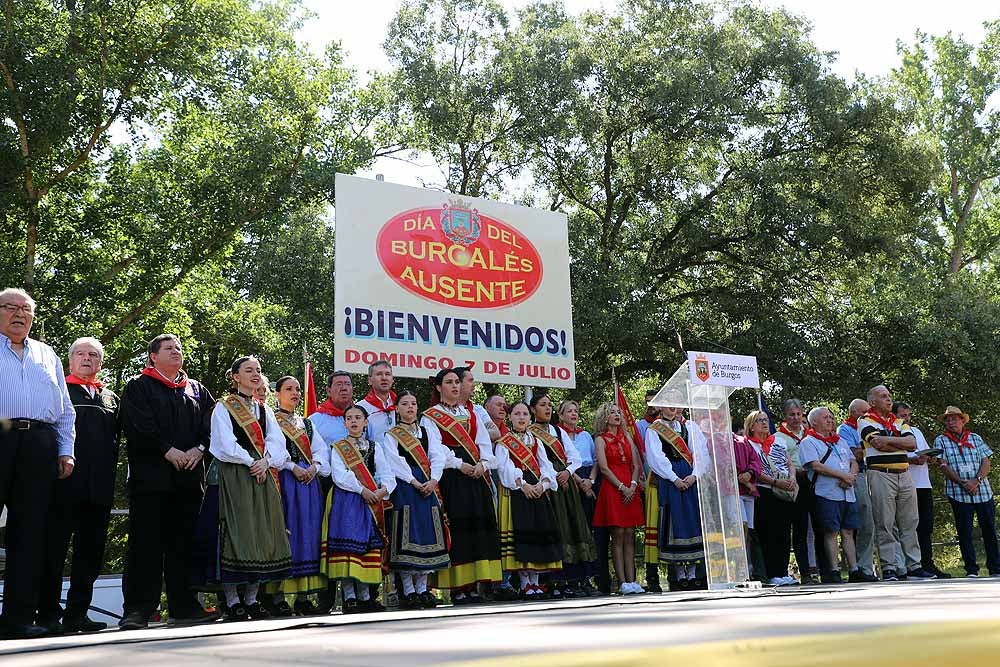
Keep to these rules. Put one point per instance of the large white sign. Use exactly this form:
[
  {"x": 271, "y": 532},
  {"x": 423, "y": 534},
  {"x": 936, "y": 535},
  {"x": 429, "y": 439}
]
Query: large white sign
[
  {"x": 428, "y": 280},
  {"x": 728, "y": 370}
]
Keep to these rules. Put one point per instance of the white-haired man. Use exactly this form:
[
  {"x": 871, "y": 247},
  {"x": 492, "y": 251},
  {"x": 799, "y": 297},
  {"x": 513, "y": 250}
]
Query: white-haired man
[
  {"x": 864, "y": 538},
  {"x": 833, "y": 472},
  {"x": 37, "y": 450},
  {"x": 81, "y": 503}
]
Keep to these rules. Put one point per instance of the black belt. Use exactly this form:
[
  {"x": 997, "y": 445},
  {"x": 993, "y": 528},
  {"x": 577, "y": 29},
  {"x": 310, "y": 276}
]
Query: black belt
[
  {"x": 28, "y": 424},
  {"x": 890, "y": 472}
]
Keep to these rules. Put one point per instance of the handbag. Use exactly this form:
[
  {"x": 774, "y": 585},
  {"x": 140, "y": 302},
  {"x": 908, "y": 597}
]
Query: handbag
[{"x": 783, "y": 494}]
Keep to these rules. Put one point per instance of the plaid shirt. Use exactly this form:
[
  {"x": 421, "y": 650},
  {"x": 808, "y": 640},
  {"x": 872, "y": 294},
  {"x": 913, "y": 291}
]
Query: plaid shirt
[{"x": 966, "y": 463}]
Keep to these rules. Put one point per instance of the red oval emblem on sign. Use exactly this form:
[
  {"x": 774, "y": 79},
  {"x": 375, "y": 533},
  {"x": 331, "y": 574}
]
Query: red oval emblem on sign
[{"x": 459, "y": 257}]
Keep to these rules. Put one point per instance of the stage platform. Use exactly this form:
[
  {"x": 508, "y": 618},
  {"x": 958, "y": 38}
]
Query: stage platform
[{"x": 935, "y": 623}]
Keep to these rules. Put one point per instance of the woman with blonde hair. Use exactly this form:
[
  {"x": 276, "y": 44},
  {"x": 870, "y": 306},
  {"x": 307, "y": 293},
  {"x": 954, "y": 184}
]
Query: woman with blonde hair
[
  {"x": 772, "y": 515},
  {"x": 618, "y": 505}
]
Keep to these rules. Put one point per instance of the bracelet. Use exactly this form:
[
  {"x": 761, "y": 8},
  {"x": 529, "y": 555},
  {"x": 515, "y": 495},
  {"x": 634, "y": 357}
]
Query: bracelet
[
  {"x": 621, "y": 487},
  {"x": 633, "y": 483}
]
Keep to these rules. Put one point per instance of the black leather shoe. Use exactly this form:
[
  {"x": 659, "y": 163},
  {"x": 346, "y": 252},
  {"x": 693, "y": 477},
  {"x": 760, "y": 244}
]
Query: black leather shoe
[
  {"x": 410, "y": 602},
  {"x": 237, "y": 613},
  {"x": 428, "y": 600},
  {"x": 256, "y": 611},
  {"x": 24, "y": 631},
  {"x": 831, "y": 577},
  {"x": 352, "y": 606},
  {"x": 372, "y": 604},
  {"x": 82, "y": 624},
  {"x": 54, "y": 627},
  {"x": 134, "y": 620},
  {"x": 200, "y": 617},
  {"x": 307, "y": 608},
  {"x": 281, "y": 610}
]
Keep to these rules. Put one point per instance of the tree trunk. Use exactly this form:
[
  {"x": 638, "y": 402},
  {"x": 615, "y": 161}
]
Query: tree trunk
[{"x": 30, "y": 245}]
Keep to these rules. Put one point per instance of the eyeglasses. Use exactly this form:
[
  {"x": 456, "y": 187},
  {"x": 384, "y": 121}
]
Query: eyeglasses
[{"x": 13, "y": 308}]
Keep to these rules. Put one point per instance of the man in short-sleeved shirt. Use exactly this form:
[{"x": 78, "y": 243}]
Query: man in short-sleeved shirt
[
  {"x": 966, "y": 464},
  {"x": 833, "y": 471}
]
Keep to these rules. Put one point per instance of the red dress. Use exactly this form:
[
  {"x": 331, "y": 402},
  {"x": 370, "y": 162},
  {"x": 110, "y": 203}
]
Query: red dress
[{"x": 611, "y": 510}]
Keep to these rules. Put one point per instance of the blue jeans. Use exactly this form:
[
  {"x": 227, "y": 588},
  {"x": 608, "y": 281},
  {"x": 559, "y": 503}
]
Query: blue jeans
[{"x": 985, "y": 513}]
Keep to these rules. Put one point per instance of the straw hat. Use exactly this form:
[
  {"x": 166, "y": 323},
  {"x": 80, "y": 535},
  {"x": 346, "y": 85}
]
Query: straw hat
[{"x": 952, "y": 410}]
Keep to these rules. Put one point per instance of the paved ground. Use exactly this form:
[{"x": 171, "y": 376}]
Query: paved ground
[{"x": 467, "y": 634}]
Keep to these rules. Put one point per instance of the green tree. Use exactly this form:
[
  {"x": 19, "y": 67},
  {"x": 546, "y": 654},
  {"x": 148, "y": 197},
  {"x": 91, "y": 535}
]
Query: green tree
[{"x": 950, "y": 86}]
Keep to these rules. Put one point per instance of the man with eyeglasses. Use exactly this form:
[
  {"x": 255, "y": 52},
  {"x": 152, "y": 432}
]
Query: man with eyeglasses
[{"x": 37, "y": 450}]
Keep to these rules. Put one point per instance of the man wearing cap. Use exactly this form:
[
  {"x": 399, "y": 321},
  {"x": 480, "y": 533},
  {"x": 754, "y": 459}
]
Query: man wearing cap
[{"x": 965, "y": 461}]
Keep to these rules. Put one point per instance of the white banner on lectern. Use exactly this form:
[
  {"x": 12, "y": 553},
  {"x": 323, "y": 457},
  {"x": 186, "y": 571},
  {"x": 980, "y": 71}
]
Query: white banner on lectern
[{"x": 727, "y": 370}]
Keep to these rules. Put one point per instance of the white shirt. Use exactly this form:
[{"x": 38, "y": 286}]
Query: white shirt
[
  {"x": 510, "y": 473},
  {"x": 320, "y": 450},
  {"x": 379, "y": 421},
  {"x": 658, "y": 461},
  {"x": 482, "y": 439},
  {"x": 919, "y": 473},
  {"x": 573, "y": 458},
  {"x": 224, "y": 446},
  {"x": 437, "y": 455},
  {"x": 345, "y": 478}
]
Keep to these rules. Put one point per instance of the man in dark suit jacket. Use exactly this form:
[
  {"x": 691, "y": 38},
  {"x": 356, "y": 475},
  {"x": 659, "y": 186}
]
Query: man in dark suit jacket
[{"x": 166, "y": 418}]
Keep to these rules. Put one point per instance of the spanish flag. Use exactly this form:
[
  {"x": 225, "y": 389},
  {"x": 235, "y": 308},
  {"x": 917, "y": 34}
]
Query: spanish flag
[
  {"x": 627, "y": 414},
  {"x": 309, "y": 400}
]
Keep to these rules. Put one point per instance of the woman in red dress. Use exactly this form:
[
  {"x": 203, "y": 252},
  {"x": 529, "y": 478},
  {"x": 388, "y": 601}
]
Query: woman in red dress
[{"x": 618, "y": 505}]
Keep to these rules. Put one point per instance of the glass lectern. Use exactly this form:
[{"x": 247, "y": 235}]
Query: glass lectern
[{"x": 718, "y": 491}]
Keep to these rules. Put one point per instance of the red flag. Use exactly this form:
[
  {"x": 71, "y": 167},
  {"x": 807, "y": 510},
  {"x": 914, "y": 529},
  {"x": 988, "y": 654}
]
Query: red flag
[
  {"x": 309, "y": 403},
  {"x": 627, "y": 413}
]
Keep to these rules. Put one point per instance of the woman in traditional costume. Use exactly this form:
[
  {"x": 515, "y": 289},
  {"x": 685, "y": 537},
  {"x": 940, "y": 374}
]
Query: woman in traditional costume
[
  {"x": 530, "y": 542},
  {"x": 467, "y": 490},
  {"x": 301, "y": 500},
  {"x": 579, "y": 550},
  {"x": 417, "y": 527},
  {"x": 353, "y": 538},
  {"x": 618, "y": 504},
  {"x": 588, "y": 475},
  {"x": 240, "y": 538}
]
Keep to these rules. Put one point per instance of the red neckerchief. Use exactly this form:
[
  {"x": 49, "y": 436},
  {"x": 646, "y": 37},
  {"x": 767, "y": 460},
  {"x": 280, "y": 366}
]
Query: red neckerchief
[
  {"x": 650, "y": 420},
  {"x": 328, "y": 408},
  {"x": 828, "y": 439},
  {"x": 765, "y": 445},
  {"x": 852, "y": 422},
  {"x": 160, "y": 377},
  {"x": 502, "y": 427},
  {"x": 572, "y": 430},
  {"x": 616, "y": 439},
  {"x": 784, "y": 429},
  {"x": 374, "y": 400},
  {"x": 95, "y": 383},
  {"x": 961, "y": 442},
  {"x": 888, "y": 424}
]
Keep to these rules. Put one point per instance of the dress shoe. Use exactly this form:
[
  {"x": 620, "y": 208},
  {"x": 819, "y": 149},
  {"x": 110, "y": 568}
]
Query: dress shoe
[
  {"x": 53, "y": 627},
  {"x": 199, "y": 617},
  {"x": 257, "y": 612},
  {"x": 305, "y": 607},
  {"x": 653, "y": 586},
  {"x": 73, "y": 623},
  {"x": 281, "y": 610},
  {"x": 24, "y": 631},
  {"x": 428, "y": 600},
  {"x": 237, "y": 613},
  {"x": 352, "y": 606},
  {"x": 134, "y": 620},
  {"x": 831, "y": 577},
  {"x": 372, "y": 604},
  {"x": 861, "y": 577}
]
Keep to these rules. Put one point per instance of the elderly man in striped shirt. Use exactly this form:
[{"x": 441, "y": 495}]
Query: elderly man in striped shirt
[
  {"x": 37, "y": 450},
  {"x": 894, "y": 498}
]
